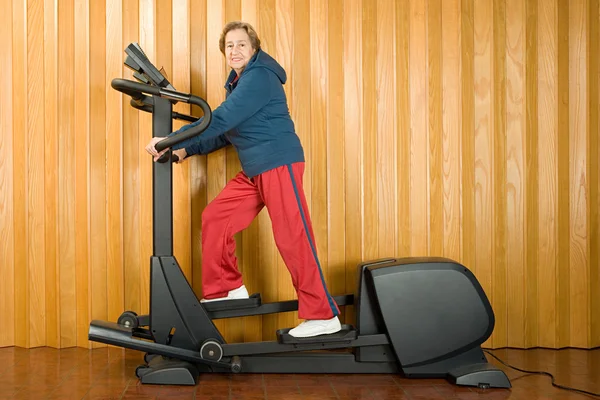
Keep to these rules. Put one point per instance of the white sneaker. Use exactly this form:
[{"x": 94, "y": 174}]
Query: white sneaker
[
  {"x": 235, "y": 294},
  {"x": 317, "y": 327}
]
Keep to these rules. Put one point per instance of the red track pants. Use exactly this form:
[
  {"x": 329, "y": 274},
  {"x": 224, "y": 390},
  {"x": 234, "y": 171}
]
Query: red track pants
[{"x": 232, "y": 211}]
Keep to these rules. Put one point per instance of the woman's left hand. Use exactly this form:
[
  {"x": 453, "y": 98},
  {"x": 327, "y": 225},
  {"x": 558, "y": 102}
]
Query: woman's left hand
[{"x": 181, "y": 154}]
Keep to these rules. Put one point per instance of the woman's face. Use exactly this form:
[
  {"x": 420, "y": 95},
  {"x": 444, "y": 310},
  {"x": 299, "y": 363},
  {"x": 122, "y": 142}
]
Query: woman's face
[{"x": 238, "y": 49}]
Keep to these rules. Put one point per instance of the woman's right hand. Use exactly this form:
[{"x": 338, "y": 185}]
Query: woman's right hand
[{"x": 150, "y": 148}]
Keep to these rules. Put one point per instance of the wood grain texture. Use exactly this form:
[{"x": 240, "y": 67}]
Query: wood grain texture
[
  {"x": 419, "y": 134},
  {"x": 367, "y": 138},
  {"x": 579, "y": 175},
  {"x": 593, "y": 50},
  {"x": 547, "y": 117},
  {"x": 386, "y": 218},
  {"x": 7, "y": 250},
  {"x": 458, "y": 128},
  {"x": 20, "y": 164},
  {"x": 514, "y": 235},
  {"x": 434, "y": 126},
  {"x": 451, "y": 128},
  {"x": 499, "y": 179},
  {"x": 35, "y": 145},
  {"x": 531, "y": 176},
  {"x": 52, "y": 288},
  {"x": 97, "y": 159},
  {"x": 562, "y": 251},
  {"x": 483, "y": 162},
  {"x": 82, "y": 170}
]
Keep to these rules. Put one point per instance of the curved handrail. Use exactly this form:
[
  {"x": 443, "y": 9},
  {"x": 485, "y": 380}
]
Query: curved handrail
[{"x": 137, "y": 90}]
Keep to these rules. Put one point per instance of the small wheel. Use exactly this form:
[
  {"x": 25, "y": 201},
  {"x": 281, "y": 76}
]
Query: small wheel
[
  {"x": 128, "y": 319},
  {"x": 211, "y": 350},
  {"x": 141, "y": 370}
]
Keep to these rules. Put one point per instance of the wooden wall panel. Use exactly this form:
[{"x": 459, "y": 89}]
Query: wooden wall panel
[
  {"x": 82, "y": 175},
  {"x": 35, "y": 173},
  {"x": 52, "y": 291},
  {"x": 7, "y": 250},
  {"x": 460, "y": 128},
  {"x": 593, "y": 43},
  {"x": 20, "y": 164}
]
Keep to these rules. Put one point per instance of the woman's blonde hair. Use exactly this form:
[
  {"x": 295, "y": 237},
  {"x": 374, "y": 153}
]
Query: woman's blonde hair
[{"x": 254, "y": 40}]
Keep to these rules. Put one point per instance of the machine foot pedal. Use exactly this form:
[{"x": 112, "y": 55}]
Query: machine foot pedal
[
  {"x": 227, "y": 305},
  {"x": 347, "y": 334}
]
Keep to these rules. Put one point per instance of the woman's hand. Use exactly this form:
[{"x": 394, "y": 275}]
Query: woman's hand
[
  {"x": 152, "y": 150},
  {"x": 181, "y": 153}
]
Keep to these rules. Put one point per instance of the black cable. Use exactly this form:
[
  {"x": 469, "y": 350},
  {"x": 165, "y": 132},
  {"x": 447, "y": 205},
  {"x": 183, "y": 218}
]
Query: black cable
[{"x": 547, "y": 374}]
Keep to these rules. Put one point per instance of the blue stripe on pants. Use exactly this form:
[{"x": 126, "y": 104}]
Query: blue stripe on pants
[{"x": 312, "y": 246}]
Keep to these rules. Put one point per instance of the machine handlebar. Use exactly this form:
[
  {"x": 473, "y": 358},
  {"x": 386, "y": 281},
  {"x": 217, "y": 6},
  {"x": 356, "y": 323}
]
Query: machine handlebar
[{"x": 137, "y": 92}]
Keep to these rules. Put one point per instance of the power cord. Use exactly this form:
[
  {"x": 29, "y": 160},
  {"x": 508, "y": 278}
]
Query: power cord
[{"x": 547, "y": 374}]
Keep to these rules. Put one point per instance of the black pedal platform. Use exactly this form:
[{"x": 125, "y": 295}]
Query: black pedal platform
[
  {"x": 347, "y": 334},
  {"x": 226, "y": 305}
]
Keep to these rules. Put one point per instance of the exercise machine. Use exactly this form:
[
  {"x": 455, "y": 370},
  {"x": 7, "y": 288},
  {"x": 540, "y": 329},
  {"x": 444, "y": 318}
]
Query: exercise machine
[{"x": 420, "y": 317}]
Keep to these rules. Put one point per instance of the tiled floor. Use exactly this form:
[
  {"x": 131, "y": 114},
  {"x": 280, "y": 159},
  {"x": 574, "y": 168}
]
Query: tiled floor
[{"x": 109, "y": 374}]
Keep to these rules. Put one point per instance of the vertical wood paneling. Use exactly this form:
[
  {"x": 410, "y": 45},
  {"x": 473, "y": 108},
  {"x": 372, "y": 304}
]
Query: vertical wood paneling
[
  {"x": 593, "y": 50},
  {"x": 531, "y": 175},
  {"x": 467, "y": 61},
  {"x": 460, "y": 128},
  {"x": 434, "y": 126},
  {"x": 498, "y": 175},
  {"x": 7, "y": 267},
  {"x": 451, "y": 125},
  {"x": 562, "y": 250},
  {"x": 419, "y": 134},
  {"x": 51, "y": 168},
  {"x": 578, "y": 178},
  {"x": 386, "y": 123},
  {"x": 20, "y": 195},
  {"x": 546, "y": 161},
  {"x": 403, "y": 128},
  {"x": 35, "y": 173},
  {"x": 369, "y": 216},
  {"x": 515, "y": 172},
  {"x": 98, "y": 149},
  {"x": 66, "y": 172},
  {"x": 82, "y": 174},
  {"x": 484, "y": 143}
]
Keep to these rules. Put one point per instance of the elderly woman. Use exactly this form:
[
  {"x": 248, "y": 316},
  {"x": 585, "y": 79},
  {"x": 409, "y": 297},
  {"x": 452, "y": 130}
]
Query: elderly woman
[{"x": 255, "y": 119}]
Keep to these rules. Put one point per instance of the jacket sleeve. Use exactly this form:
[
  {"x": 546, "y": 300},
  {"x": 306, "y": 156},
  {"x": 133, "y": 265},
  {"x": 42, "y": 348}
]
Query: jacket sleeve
[
  {"x": 251, "y": 94},
  {"x": 205, "y": 146}
]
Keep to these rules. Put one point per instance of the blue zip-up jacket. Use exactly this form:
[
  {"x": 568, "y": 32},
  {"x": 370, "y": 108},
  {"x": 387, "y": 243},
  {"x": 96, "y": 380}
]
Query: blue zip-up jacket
[{"x": 254, "y": 118}]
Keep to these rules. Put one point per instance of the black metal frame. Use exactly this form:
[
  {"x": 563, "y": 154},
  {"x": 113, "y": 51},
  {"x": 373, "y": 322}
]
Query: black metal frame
[{"x": 180, "y": 328}]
